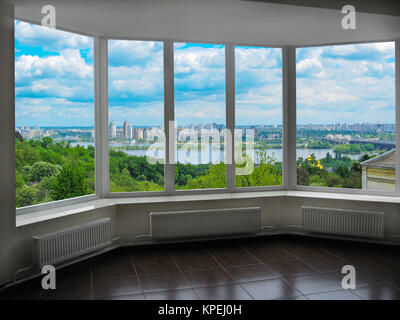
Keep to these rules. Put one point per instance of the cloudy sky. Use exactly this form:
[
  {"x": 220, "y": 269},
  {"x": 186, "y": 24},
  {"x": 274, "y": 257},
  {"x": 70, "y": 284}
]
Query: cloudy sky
[
  {"x": 54, "y": 82},
  {"x": 53, "y": 77},
  {"x": 347, "y": 83}
]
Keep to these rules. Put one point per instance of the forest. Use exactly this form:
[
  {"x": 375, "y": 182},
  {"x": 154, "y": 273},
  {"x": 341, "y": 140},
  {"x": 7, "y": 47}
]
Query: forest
[{"x": 47, "y": 171}]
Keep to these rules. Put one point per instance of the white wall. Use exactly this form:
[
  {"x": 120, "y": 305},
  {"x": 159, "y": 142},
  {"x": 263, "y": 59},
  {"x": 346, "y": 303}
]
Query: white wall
[{"x": 130, "y": 220}]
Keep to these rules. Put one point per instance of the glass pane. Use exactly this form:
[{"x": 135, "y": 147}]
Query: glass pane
[
  {"x": 346, "y": 116},
  {"x": 54, "y": 115},
  {"x": 136, "y": 114},
  {"x": 258, "y": 133},
  {"x": 200, "y": 116}
]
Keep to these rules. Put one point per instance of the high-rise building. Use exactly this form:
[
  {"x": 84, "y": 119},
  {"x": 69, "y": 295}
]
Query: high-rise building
[
  {"x": 139, "y": 134},
  {"x": 127, "y": 131},
  {"x": 113, "y": 130}
]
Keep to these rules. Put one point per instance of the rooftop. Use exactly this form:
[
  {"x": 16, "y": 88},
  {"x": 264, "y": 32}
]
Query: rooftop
[{"x": 385, "y": 160}]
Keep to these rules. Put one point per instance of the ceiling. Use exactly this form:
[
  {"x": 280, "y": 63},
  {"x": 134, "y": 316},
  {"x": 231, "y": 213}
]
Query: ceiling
[
  {"x": 388, "y": 7},
  {"x": 239, "y": 21}
]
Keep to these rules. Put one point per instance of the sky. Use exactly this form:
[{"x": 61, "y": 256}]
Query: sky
[
  {"x": 336, "y": 84},
  {"x": 53, "y": 77},
  {"x": 346, "y": 83}
]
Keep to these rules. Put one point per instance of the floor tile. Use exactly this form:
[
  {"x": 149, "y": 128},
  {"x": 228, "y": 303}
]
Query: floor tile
[
  {"x": 270, "y": 289},
  {"x": 362, "y": 278},
  {"x": 270, "y": 267},
  {"x": 290, "y": 268},
  {"x": 232, "y": 256},
  {"x": 324, "y": 263},
  {"x": 378, "y": 292},
  {"x": 73, "y": 282},
  {"x": 295, "y": 298},
  {"x": 114, "y": 286},
  {"x": 313, "y": 284},
  {"x": 154, "y": 262},
  {"x": 210, "y": 277},
  {"x": 185, "y": 294},
  {"x": 269, "y": 252},
  {"x": 137, "y": 296},
  {"x": 163, "y": 282},
  {"x": 334, "y": 295},
  {"x": 223, "y": 292},
  {"x": 114, "y": 263},
  {"x": 251, "y": 273},
  {"x": 194, "y": 259}
]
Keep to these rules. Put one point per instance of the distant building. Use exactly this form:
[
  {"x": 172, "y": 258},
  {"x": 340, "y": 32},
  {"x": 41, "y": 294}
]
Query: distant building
[
  {"x": 379, "y": 173},
  {"x": 127, "y": 131},
  {"x": 139, "y": 134},
  {"x": 113, "y": 130}
]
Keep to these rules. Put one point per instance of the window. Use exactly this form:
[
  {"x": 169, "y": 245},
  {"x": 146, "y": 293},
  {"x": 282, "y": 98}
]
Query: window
[
  {"x": 345, "y": 130},
  {"x": 54, "y": 115},
  {"x": 199, "y": 83},
  {"x": 346, "y": 125},
  {"x": 258, "y": 116},
  {"x": 136, "y": 115}
]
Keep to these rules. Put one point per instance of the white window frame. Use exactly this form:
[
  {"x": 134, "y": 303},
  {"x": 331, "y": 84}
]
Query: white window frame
[
  {"x": 396, "y": 193},
  {"x": 289, "y": 168}
]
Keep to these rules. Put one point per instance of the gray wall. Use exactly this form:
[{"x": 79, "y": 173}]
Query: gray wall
[{"x": 7, "y": 176}]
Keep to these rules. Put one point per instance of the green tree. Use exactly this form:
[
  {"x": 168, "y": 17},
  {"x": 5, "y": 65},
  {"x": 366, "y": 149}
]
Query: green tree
[
  {"x": 25, "y": 196},
  {"x": 40, "y": 170},
  {"x": 334, "y": 180},
  {"x": 70, "y": 182}
]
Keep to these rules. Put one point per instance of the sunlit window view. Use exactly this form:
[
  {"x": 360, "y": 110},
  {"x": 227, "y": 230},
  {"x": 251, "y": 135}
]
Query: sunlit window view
[
  {"x": 346, "y": 116},
  {"x": 136, "y": 115},
  {"x": 54, "y": 115},
  {"x": 200, "y": 116},
  {"x": 258, "y": 133}
]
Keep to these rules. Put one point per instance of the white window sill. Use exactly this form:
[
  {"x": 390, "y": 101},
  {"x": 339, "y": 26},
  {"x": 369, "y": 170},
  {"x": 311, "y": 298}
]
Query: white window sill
[{"x": 54, "y": 213}]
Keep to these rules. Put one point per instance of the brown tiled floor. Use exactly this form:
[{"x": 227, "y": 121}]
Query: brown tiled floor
[{"x": 275, "y": 267}]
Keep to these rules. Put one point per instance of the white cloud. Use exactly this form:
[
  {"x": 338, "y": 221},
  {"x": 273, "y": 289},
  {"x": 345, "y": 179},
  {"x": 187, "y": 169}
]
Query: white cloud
[{"x": 35, "y": 35}]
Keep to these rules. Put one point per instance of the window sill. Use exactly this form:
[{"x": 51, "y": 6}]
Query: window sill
[{"x": 54, "y": 213}]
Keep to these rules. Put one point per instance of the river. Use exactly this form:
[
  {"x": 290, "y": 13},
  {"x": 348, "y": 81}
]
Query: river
[{"x": 205, "y": 155}]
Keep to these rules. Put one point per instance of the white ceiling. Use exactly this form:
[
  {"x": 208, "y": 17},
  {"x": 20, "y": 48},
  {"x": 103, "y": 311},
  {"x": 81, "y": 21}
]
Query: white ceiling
[{"x": 210, "y": 20}]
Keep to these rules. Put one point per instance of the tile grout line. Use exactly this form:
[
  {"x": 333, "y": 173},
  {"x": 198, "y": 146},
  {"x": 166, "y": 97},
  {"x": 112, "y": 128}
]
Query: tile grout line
[
  {"x": 279, "y": 276},
  {"x": 229, "y": 274},
  {"x": 132, "y": 261},
  {"x": 183, "y": 274}
]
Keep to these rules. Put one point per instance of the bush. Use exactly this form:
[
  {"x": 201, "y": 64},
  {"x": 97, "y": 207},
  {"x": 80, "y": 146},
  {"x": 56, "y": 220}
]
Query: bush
[
  {"x": 25, "y": 196},
  {"x": 40, "y": 170},
  {"x": 317, "y": 181},
  {"x": 334, "y": 180},
  {"x": 303, "y": 176},
  {"x": 71, "y": 182}
]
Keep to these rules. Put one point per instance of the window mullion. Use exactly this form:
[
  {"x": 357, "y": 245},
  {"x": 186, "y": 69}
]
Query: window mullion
[
  {"x": 169, "y": 168},
  {"x": 230, "y": 115},
  {"x": 101, "y": 116},
  {"x": 289, "y": 117}
]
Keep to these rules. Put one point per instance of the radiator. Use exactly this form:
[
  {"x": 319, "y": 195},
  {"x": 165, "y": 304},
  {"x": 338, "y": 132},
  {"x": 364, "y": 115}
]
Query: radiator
[
  {"x": 340, "y": 221},
  {"x": 73, "y": 242},
  {"x": 202, "y": 223}
]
